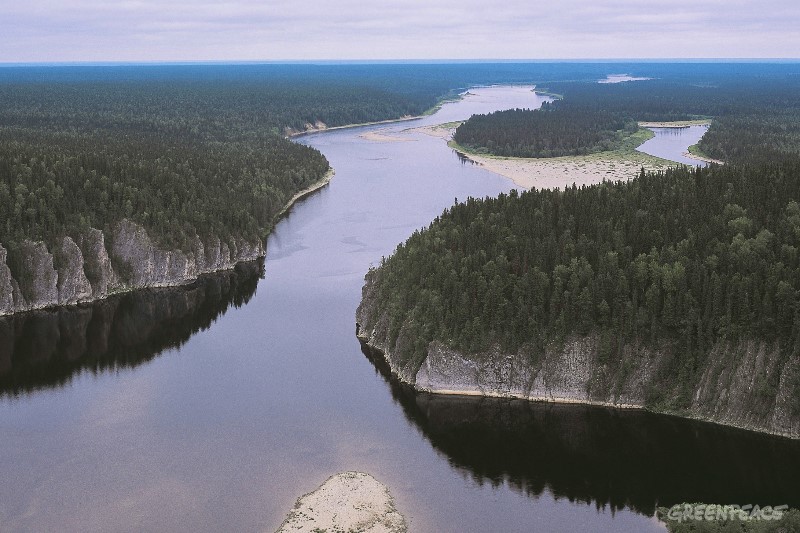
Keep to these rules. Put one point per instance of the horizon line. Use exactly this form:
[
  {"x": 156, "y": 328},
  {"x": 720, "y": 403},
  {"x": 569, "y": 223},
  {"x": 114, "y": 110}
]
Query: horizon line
[{"x": 408, "y": 61}]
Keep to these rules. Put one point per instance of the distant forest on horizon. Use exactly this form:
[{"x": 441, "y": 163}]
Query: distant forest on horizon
[{"x": 200, "y": 149}]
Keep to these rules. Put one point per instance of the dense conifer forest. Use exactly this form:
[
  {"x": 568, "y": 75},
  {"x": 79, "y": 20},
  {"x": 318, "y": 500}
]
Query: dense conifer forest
[
  {"x": 190, "y": 149},
  {"x": 753, "y": 116},
  {"x": 178, "y": 154},
  {"x": 546, "y": 132},
  {"x": 201, "y": 149},
  {"x": 182, "y": 149},
  {"x": 693, "y": 255}
]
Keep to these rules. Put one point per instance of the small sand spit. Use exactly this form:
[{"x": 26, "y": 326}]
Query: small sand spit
[
  {"x": 678, "y": 124},
  {"x": 350, "y": 501},
  {"x": 560, "y": 172},
  {"x": 384, "y": 137}
]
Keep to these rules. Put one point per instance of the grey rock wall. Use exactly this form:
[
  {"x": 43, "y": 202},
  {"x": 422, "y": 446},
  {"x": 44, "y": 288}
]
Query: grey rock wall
[
  {"x": 750, "y": 384},
  {"x": 72, "y": 284},
  {"x": 92, "y": 266},
  {"x": 6, "y": 287}
]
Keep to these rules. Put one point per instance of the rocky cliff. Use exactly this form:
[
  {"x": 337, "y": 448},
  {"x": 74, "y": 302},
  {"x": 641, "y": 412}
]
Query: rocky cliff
[
  {"x": 95, "y": 265},
  {"x": 749, "y": 383}
]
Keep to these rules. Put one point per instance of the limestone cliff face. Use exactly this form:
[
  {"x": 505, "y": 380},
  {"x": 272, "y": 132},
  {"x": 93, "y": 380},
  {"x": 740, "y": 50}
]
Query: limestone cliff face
[
  {"x": 92, "y": 266},
  {"x": 750, "y": 384},
  {"x": 97, "y": 263},
  {"x": 6, "y": 287},
  {"x": 373, "y": 328},
  {"x": 37, "y": 283},
  {"x": 73, "y": 285}
]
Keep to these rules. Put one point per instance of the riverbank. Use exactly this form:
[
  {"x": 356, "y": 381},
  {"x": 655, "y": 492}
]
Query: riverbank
[
  {"x": 576, "y": 368},
  {"x": 320, "y": 127},
  {"x": 694, "y": 152},
  {"x": 325, "y": 180},
  {"x": 677, "y": 124},
  {"x": 349, "y": 501},
  {"x": 565, "y": 375},
  {"x": 95, "y": 266}
]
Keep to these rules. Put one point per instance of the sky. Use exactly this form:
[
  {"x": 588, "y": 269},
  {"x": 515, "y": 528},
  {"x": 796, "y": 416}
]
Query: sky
[{"x": 251, "y": 30}]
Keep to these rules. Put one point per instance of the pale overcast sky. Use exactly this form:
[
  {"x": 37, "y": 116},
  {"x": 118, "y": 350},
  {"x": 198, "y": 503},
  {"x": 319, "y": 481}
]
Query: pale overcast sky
[{"x": 150, "y": 30}]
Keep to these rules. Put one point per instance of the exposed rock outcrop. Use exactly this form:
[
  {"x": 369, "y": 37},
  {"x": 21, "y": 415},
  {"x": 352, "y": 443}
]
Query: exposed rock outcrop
[
  {"x": 751, "y": 383},
  {"x": 6, "y": 287},
  {"x": 97, "y": 263},
  {"x": 37, "y": 282},
  {"x": 73, "y": 286},
  {"x": 95, "y": 266}
]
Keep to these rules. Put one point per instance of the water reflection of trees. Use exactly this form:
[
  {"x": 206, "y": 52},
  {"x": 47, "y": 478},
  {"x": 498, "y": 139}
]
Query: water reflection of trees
[
  {"x": 605, "y": 457},
  {"x": 46, "y": 348}
]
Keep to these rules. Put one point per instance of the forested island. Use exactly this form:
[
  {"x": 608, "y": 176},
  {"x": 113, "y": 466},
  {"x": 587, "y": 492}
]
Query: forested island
[
  {"x": 677, "y": 291},
  {"x": 753, "y": 116}
]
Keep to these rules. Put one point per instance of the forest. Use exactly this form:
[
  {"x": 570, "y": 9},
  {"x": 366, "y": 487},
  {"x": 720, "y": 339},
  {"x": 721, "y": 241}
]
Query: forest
[
  {"x": 753, "y": 116},
  {"x": 692, "y": 255},
  {"x": 200, "y": 148},
  {"x": 193, "y": 148},
  {"x": 546, "y": 132}
]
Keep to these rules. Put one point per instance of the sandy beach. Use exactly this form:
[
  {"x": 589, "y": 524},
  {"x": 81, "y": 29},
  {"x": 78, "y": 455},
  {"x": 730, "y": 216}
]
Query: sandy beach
[
  {"x": 676, "y": 124},
  {"x": 350, "y": 501},
  {"x": 320, "y": 126},
  {"x": 326, "y": 179},
  {"x": 383, "y": 137},
  {"x": 702, "y": 158},
  {"x": 557, "y": 172}
]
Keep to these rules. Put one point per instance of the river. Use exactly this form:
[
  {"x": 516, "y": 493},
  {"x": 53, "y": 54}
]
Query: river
[
  {"x": 213, "y": 407},
  {"x": 673, "y": 143}
]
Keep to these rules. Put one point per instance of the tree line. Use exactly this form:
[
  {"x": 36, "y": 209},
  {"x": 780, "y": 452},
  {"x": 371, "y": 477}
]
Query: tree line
[
  {"x": 693, "y": 255},
  {"x": 755, "y": 115},
  {"x": 547, "y": 132}
]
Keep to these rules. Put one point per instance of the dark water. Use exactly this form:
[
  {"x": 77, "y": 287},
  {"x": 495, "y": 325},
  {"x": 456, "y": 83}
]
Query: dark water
[
  {"x": 44, "y": 349},
  {"x": 622, "y": 459},
  {"x": 188, "y": 411}
]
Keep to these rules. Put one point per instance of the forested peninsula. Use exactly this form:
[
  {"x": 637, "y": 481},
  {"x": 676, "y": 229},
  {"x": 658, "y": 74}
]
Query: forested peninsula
[
  {"x": 753, "y": 117},
  {"x": 677, "y": 291}
]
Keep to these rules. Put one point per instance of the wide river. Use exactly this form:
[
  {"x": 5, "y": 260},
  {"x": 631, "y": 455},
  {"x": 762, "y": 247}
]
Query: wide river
[{"x": 213, "y": 407}]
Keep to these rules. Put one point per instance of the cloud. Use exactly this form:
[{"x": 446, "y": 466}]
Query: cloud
[{"x": 149, "y": 30}]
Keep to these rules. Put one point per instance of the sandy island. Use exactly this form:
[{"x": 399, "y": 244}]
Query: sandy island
[
  {"x": 319, "y": 126},
  {"x": 557, "y": 172},
  {"x": 543, "y": 173},
  {"x": 383, "y": 137},
  {"x": 350, "y": 501}
]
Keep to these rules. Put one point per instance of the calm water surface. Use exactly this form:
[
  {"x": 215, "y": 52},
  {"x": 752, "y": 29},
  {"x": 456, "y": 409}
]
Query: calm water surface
[
  {"x": 672, "y": 143},
  {"x": 211, "y": 408}
]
